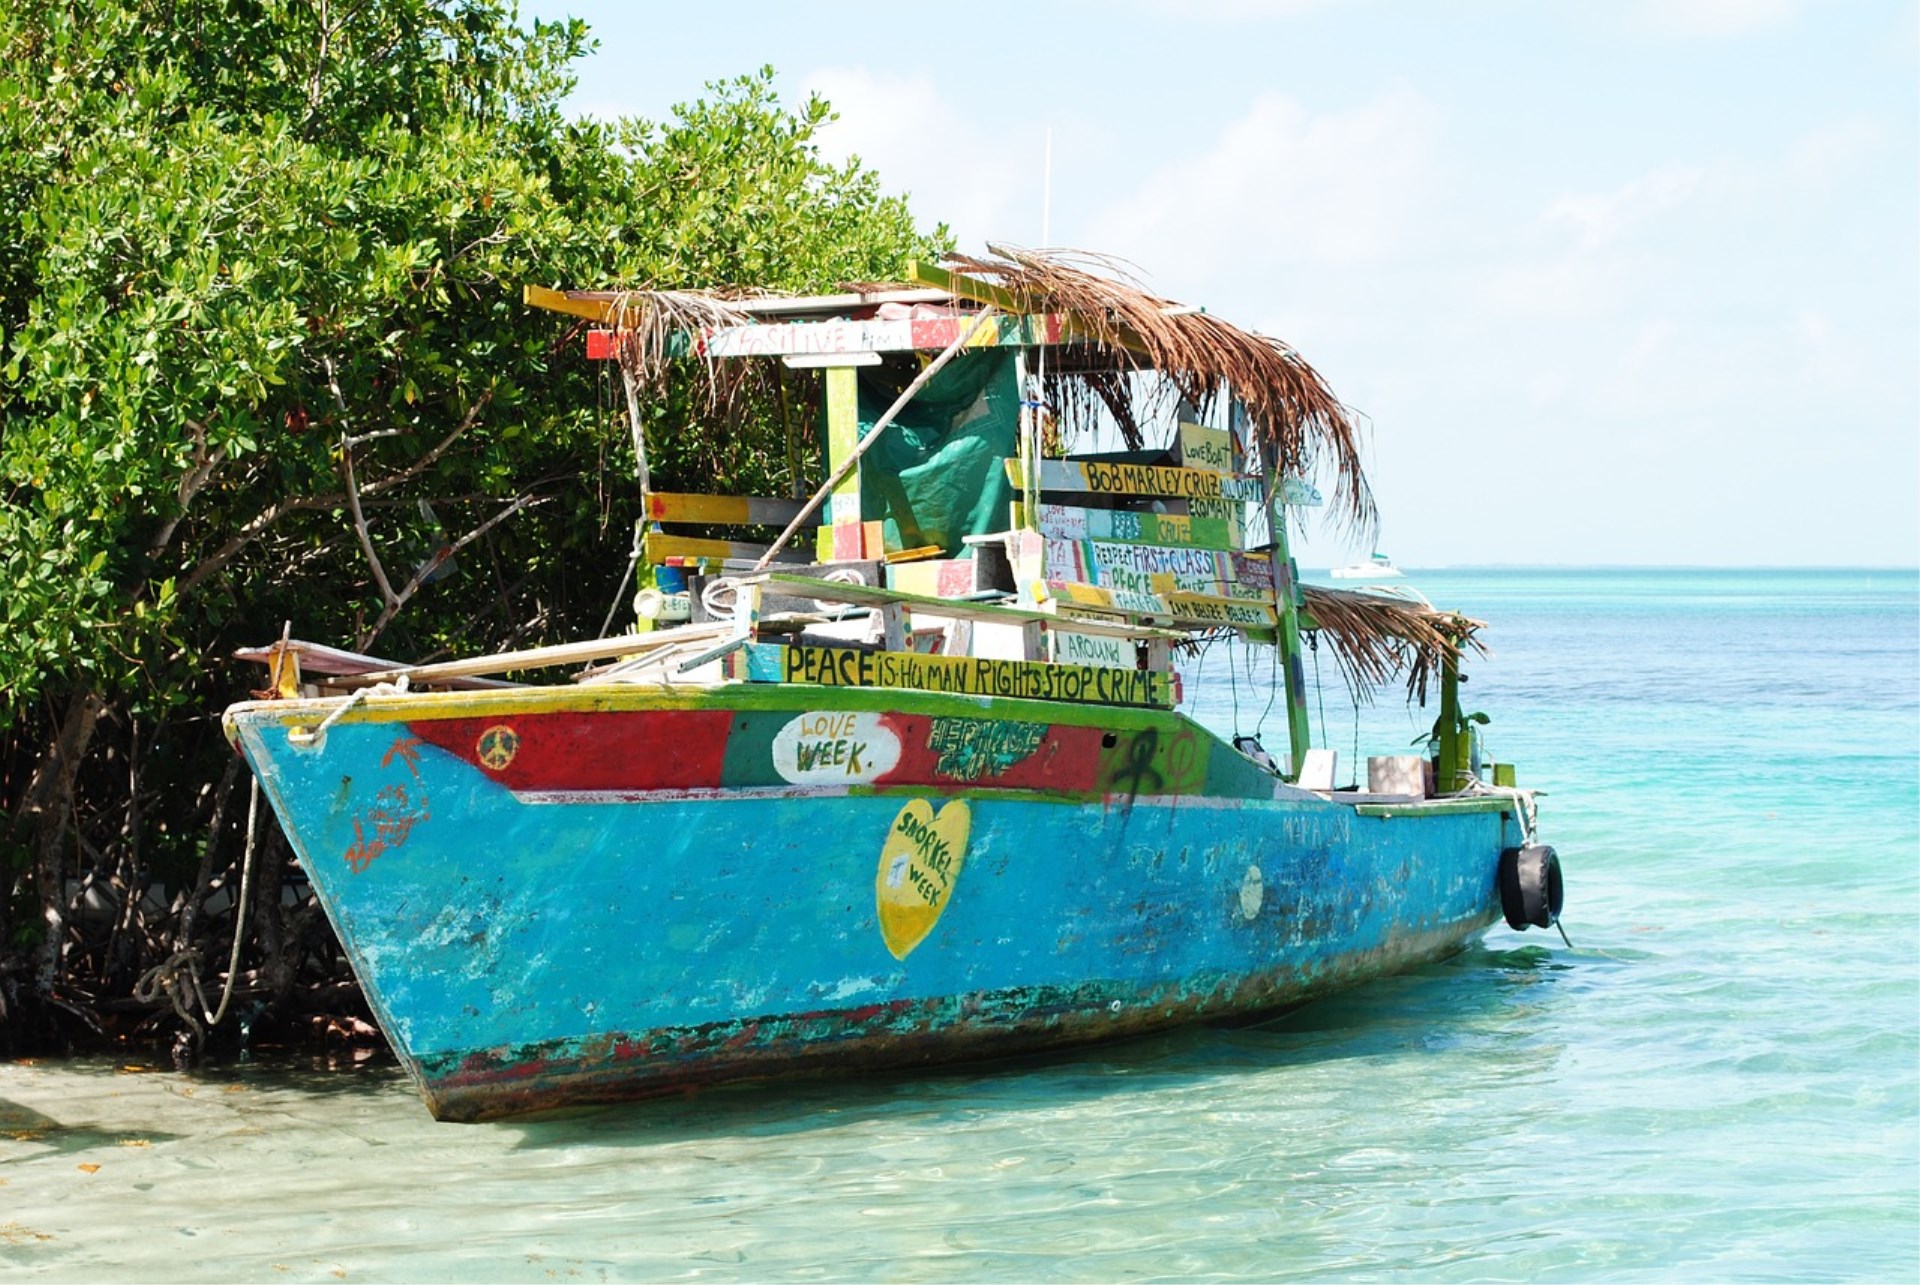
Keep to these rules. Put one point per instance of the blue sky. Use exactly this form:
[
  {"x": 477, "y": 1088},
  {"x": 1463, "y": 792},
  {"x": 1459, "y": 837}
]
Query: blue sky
[{"x": 1622, "y": 283}]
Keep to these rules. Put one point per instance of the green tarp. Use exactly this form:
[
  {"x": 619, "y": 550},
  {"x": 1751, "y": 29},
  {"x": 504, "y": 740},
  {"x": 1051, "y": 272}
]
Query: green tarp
[{"x": 938, "y": 473}]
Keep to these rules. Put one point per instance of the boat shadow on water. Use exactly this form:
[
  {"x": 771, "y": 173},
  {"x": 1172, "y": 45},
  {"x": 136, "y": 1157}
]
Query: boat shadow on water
[{"x": 1471, "y": 1000}]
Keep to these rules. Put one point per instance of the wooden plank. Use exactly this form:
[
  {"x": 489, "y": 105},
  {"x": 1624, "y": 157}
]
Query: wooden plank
[
  {"x": 785, "y": 305},
  {"x": 1071, "y": 330},
  {"x": 333, "y": 662},
  {"x": 1207, "y": 510},
  {"x": 842, "y": 542},
  {"x": 659, "y": 546},
  {"x": 1179, "y": 608},
  {"x": 1180, "y": 530},
  {"x": 958, "y": 675},
  {"x": 940, "y": 608},
  {"x": 835, "y": 542},
  {"x": 1299, "y": 493},
  {"x": 1115, "y": 478},
  {"x": 579, "y": 653},
  {"x": 873, "y": 334},
  {"x": 721, "y": 510},
  {"x": 1068, "y": 648},
  {"x": 1146, "y": 568},
  {"x": 600, "y": 309},
  {"x": 1208, "y": 448},
  {"x": 606, "y": 305},
  {"x": 934, "y": 578}
]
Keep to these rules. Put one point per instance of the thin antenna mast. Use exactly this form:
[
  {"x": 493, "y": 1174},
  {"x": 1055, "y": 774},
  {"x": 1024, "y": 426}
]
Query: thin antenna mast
[
  {"x": 1034, "y": 412},
  {"x": 1046, "y": 193}
]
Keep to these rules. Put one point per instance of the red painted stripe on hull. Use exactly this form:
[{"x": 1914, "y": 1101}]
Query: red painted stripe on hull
[{"x": 657, "y": 750}]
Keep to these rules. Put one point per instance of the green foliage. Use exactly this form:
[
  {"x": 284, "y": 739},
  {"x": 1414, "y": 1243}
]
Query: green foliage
[
  {"x": 235, "y": 232},
  {"x": 252, "y": 248}
]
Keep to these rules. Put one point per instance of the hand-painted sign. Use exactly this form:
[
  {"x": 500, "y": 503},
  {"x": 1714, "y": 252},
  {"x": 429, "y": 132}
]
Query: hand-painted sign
[
  {"x": 1208, "y": 448},
  {"x": 1183, "y": 607},
  {"x": 841, "y": 747},
  {"x": 1116, "y": 478},
  {"x": 1092, "y": 649},
  {"x": 919, "y": 863},
  {"x": 1146, "y": 568},
  {"x": 972, "y": 748},
  {"x": 1180, "y": 530},
  {"x": 960, "y": 675},
  {"x": 782, "y": 339}
]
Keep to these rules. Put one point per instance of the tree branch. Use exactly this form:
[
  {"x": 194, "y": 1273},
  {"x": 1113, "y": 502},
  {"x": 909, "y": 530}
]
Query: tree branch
[{"x": 432, "y": 564}]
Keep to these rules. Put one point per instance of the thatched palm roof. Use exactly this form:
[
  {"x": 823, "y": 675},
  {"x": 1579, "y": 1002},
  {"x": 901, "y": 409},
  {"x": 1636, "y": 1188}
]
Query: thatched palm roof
[
  {"x": 1302, "y": 427},
  {"x": 1286, "y": 400},
  {"x": 1376, "y": 637},
  {"x": 1114, "y": 326}
]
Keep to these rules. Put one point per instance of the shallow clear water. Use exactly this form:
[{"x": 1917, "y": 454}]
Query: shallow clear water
[{"x": 1720, "y": 1081}]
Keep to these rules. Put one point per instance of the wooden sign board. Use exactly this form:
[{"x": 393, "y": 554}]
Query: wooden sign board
[
  {"x": 1299, "y": 493},
  {"x": 1183, "y": 608},
  {"x": 1208, "y": 448},
  {"x": 841, "y": 336},
  {"x": 1115, "y": 478},
  {"x": 722, "y": 510},
  {"x": 658, "y": 546},
  {"x": 958, "y": 675},
  {"x": 1179, "y": 530},
  {"x": 1146, "y": 568},
  {"x": 1210, "y": 510},
  {"x": 1068, "y": 648}
]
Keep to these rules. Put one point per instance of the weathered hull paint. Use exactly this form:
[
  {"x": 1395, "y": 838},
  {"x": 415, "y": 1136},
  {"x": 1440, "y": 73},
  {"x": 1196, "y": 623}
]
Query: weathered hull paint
[{"x": 556, "y": 897}]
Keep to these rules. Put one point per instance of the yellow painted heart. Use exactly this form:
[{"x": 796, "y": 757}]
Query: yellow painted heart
[{"x": 918, "y": 867}]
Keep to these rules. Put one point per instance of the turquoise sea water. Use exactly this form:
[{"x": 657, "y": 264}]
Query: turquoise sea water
[{"x": 1719, "y": 1081}]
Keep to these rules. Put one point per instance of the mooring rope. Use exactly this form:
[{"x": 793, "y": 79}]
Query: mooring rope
[
  {"x": 317, "y": 737},
  {"x": 178, "y": 976}
]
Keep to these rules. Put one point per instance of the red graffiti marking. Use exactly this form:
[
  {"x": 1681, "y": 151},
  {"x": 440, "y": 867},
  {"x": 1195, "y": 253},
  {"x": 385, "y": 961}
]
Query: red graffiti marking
[
  {"x": 392, "y": 817},
  {"x": 387, "y": 822}
]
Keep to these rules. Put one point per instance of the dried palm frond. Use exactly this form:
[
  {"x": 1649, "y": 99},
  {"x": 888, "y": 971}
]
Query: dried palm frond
[
  {"x": 1078, "y": 396},
  {"x": 1375, "y": 638},
  {"x": 1295, "y": 414},
  {"x": 647, "y": 322}
]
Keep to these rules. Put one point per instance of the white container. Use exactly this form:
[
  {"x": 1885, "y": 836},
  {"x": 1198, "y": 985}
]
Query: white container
[
  {"x": 1403, "y": 774},
  {"x": 651, "y": 604}
]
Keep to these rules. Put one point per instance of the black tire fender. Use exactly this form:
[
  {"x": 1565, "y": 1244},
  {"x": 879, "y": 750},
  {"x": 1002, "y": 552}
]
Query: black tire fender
[{"x": 1531, "y": 888}]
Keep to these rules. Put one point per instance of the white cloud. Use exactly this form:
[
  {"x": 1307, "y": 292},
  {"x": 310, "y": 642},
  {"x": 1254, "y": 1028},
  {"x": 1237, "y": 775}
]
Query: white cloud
[
  {"x": 927, "y": 145},
  {"x": 1603, "y": 218},
  {"x": 1234, "y": 10},
  {"x": 1284, "y": 185},
  {"x": 1713, "y": 18},
  {"x": 1825, "y": 154}
]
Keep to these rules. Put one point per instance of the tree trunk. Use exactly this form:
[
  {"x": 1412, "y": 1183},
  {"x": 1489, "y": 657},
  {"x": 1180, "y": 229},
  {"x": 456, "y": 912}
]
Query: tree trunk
[{"x": 46, "y": 809}]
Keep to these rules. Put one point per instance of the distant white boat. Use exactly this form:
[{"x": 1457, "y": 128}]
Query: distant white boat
[{"x": 1378, "y": 567}]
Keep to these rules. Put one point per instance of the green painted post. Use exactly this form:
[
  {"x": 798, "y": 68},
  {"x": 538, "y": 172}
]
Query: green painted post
[
  {"x": 1452, "y": 768},
  {"x": 843, "y": 437},
  {"x": 1286, "y": 594}
]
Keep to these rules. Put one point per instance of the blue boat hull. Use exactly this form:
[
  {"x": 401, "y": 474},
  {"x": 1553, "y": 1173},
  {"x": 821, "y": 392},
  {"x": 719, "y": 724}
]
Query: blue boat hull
[{"x": 530, "y": 942}]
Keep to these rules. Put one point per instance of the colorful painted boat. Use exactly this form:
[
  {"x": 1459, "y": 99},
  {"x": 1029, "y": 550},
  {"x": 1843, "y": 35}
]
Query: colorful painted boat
[{"x": 952, "y": 812}]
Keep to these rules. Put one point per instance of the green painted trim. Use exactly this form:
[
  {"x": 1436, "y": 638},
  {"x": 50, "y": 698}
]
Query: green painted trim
[
  {"x": 1455, "y": 764},
  {"x": 1286, "y": 597},
  {"x": 836, "y": 667},
  {"x": 842, "y": 410},
  {"x": 1431, "y": 808}
]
